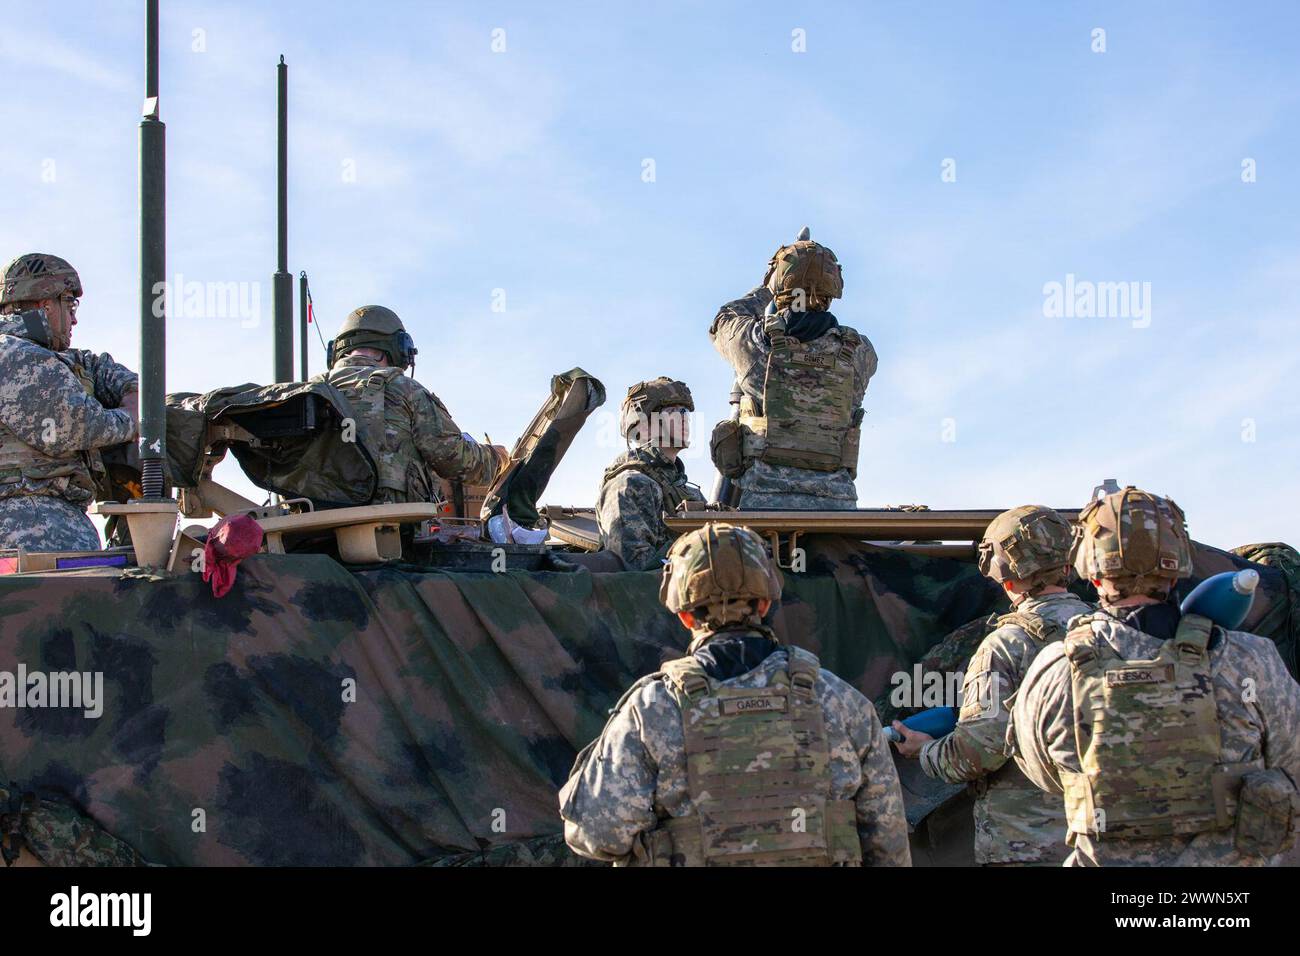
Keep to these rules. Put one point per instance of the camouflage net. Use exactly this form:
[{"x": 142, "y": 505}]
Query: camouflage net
[{"x": 321, "y": 716}]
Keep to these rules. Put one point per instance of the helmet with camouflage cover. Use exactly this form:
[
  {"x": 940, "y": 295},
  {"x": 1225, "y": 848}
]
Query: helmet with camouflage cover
[
  {"x": 375, "y": 327},
  {"x": 1133, "y": 535},
  {"x": 645, "y": 398},
  {"x": 36, "y": 276},
  {"x": 716, "y": 571},
  {"x": 1023, "y": 542},
  {"x": 805, "y": 265}
]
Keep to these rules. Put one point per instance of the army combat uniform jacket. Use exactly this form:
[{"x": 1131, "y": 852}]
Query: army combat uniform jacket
[
  {"x": 639, "y": 487},
  {"x": 1015, "y": 821},
  {"x": 56, "y": 410},
  {"x": 739, "y": 336},
  {"x": 1255, "y": 703},
  {"x": 408, "y": 431},
  {"x": 633, "y": 781}
]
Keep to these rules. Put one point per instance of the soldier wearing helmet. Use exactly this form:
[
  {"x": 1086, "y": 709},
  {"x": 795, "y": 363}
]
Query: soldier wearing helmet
[
  {"x": 673, "y": 779},
  {"x": 58, "y": 407},
  {"x": 407, "y": 430},
  {"x": 1172, "y": 741},
  {"x": 1027, "y": 551},
  {"x": 800, "y": 377},
  {"x": 648, "y": 480}
]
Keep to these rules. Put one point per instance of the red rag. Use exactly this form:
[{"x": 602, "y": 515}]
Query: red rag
[{"x": 231, "y": 539}]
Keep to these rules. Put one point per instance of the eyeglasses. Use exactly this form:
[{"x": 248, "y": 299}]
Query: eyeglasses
[{"x": 70, "y": 302}]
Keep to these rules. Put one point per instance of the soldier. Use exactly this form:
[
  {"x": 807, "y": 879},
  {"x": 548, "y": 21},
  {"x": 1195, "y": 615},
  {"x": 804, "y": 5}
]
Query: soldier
[
  {"x": 647, "y": 480},
  {"x": 1026, "y": 550},
  {"x": 1175, "y": 742},
  {"x": 58, "y": 407},
  {"x": 406, "y": 428},
  {"x": 744, "y": 752},
  {"x": 801, "y": 377}
]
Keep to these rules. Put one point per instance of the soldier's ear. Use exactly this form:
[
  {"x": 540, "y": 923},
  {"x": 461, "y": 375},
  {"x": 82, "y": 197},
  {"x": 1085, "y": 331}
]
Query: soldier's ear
[
  {"x": 687, "y": 619},
  {"x": 763, "y": 605}
]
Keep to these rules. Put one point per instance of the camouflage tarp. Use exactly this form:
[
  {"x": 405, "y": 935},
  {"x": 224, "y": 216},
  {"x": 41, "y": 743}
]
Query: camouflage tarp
[{"x": 317, "y": 715}]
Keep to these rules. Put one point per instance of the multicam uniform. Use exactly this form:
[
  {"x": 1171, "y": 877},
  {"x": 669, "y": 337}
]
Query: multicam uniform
[
  {"x": 416, "y": 440},
  {"x": 638, "y": 488},
  {"x": 805, "y": 396},
  {"x": 742, "y": 753},
  {"x": 1173, "y": 741},
  {"x": 56, "y": 410},
  {"x": 1015, "y": 821}
]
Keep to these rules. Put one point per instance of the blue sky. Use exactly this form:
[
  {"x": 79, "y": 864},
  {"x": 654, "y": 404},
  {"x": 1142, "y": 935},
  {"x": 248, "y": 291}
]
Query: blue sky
[{"x": 427, "y": 171}]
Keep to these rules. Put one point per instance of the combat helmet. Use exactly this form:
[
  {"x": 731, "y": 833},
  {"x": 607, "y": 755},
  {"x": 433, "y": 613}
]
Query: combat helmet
[
  {"x": 715, "y": 572},
  {"x": 1023, "y": 542},
  {"x": 645, "y": 398},
  {"x": 805, "y": 265},
  {"x": 1135, "y": 536},
  {"x": 36, "y": 276},
  {"x": 375, "y": 327}
]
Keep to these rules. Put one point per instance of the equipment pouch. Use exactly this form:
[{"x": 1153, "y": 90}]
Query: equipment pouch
[
  {"x": 726, "y": 448},
  {"x": 1267, "y": 813}
]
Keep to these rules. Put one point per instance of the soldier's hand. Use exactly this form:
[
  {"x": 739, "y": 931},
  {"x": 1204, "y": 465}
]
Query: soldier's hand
[
  {"x": 913, "y": 740},
  {"x": 131, "y": 405}
]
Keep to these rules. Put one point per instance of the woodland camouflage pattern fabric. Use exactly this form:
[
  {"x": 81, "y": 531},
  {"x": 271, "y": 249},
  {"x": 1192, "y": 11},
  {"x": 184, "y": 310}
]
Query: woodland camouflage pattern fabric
[
  {"x": 418, "y": 437},
  {"x": 1262, "y": 725},
  {"x": 54, "y": 408},
  {"x": 737, "y": 334},
  {"x": 631, "y": 504},
  {"x": 1015, "y": 822},
  {"x": 473, "y": 694},
  {"x": 636, "y": 774}
]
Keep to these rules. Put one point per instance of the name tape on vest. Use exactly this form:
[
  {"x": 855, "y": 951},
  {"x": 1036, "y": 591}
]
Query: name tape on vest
[
  {"x": 768, "y": 703},
  {"x": 1121, "y": 676}
]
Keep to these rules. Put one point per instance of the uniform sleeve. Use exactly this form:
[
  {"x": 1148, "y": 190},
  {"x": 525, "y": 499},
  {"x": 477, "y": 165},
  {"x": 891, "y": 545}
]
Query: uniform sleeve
[
  {"x": 733, "y": 327},
  {"x": 882, "y": 822},
  {"x": 112, "y": 380},
  {"x": 1042, "y": 722},
  {"x": 1279, "y": 701},
  {"x": 609, "y": 799},
  {"x": 629, "y": 517},
  {"x": 866, "y": 361},
  {"x": 442, "y": 446},
  {"x": 977, "y": 745},
  {"x": 47, "y": 408}
]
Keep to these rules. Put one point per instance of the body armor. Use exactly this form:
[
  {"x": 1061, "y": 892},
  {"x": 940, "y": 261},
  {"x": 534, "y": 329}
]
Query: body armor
[
  {"x": 365, "y": 388},
  {"x": 1147, "y": 733},
  {"x": 758, "y": 770},
  {"x": 74, "y": 476},
  {"x": 670, "y": 479},
  {"x": 806, "y": 417}
]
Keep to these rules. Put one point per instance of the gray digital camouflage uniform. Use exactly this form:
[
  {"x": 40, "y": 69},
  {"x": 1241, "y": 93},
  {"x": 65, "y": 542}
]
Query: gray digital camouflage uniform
[
  {"x": 420, "y": 441},
  {"x": 56, "y": 408},
  {"x": 1258, "y": 708},
  {"x": 737, "y": 334},
  {"x": 639, "y": 486},
  {"x": 635, "y": 776},
  {"x": 1015, "y": 821}
]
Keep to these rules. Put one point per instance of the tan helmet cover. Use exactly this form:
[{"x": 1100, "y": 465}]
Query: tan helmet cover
[
  {"x": 805, "y": 265},
  {"x": 1132, "y": 534},
  {"x": 38, "y": 276},
  {"x": 645, "y": 398},
  {"x": 719, "y": 564},
  {"x": 1023, "y": 541}
]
